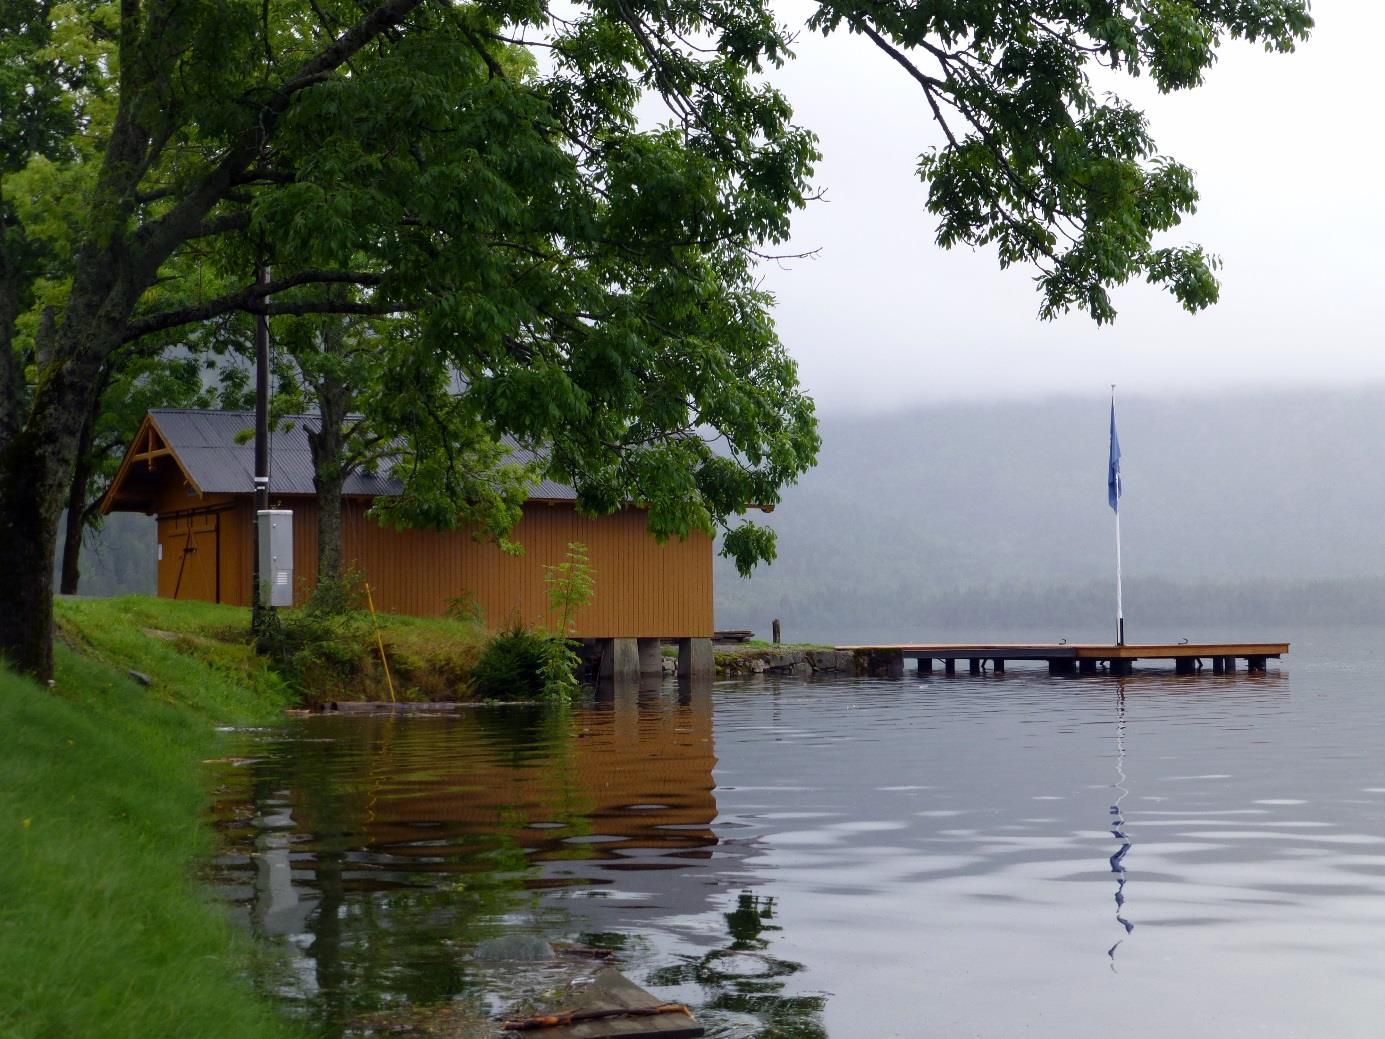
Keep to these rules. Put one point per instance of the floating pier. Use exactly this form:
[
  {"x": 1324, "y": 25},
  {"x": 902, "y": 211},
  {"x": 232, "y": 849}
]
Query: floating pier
[{"x": 1066, "y": 658}]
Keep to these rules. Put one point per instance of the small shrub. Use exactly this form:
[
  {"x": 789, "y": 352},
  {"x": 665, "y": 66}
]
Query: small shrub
[
  {"x": 467, "y": 609},
  {"x": 325, "y": 644},
  {"x": 569, "y": 585},
  {"x": 512, "y": 666}
]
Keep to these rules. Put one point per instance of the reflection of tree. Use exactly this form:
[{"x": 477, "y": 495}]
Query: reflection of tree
[
  {"x": 378, "y": 850},
  {"x": 379, "y": 922},
  {"x": 743, "y": 978}
]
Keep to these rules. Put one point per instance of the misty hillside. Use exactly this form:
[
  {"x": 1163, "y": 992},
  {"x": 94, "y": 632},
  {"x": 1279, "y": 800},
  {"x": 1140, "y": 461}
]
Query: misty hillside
[{"x": 989, "y": 507}]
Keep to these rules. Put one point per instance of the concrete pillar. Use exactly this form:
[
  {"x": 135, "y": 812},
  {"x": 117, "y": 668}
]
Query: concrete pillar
[
  {"x": 651, "y": 656},
  {"x": 1255, "y": 663},
  {"x": 1122, "y": 668},
  {"x": 950, "y": 666},
  {"x": 695, "y": 658},
  {"x": 1062, "y": 666},
  {"x": 620, "y": 658},
  {"x": 1183, "y": 665},
  {"x": 1230, "y": 665},
  {"x": 974, "y": 665},
  {"x": 1219, "y": 665},
  {"x": 998, "y": 665},
  {"x": 925, "y": 665},
  {"x": 1086, "y": 666}
]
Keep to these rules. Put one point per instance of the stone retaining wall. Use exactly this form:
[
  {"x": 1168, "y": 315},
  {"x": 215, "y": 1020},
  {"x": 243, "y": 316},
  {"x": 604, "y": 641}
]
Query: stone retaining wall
[{"x": 782, "y": 661}]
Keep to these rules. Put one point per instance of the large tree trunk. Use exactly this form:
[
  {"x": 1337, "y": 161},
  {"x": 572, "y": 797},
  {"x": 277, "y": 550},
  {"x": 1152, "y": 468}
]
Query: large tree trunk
[
  {"x": 328, "y": 447},
  {"x": 35, "y": 471},
  {"x": 77, "y": 507},
  {"x": 27, "y": 539},
  {"x": 38, "y": 459}
]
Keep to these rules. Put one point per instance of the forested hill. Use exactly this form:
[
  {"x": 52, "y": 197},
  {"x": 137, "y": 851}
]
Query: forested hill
[{"x": 1235, "y": 507}]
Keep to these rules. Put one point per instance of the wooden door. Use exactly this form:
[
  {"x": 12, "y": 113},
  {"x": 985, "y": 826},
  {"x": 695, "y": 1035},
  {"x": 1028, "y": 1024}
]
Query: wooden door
[{"x": 189, "y": 547}]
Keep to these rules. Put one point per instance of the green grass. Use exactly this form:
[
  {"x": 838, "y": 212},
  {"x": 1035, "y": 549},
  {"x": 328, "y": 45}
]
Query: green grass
[
  {"x": 430, "y": 658},
  {"x": 104, "y": 929}
]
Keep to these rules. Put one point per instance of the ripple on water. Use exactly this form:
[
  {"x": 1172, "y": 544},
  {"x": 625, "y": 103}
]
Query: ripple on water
[{"x": 811, "y": 857}]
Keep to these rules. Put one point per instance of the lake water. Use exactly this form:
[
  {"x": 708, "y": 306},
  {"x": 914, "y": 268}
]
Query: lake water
[{"x": 966, "y": 856}]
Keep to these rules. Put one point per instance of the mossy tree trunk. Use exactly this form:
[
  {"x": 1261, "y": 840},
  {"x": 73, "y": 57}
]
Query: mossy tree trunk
[{"x": 330, "y": 464}]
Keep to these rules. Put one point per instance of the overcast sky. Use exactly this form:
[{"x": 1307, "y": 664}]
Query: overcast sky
[{"x": 1287, "y": 150}]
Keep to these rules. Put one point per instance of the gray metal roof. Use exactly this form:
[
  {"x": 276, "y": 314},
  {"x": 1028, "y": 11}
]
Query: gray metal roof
[{"x": 206, "y": 442}]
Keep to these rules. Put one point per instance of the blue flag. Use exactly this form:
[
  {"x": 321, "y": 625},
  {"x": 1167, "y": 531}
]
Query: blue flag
[{"x": 1113, "y": 471}]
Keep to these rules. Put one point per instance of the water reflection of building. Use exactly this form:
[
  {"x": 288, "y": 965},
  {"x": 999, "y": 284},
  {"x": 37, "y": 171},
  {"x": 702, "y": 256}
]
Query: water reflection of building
[
  {"x": 377, "y": 846},
  {"x": 630, "y": 774}
]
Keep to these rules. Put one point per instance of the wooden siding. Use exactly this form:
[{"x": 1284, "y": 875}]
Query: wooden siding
[{"x": 643, "y": 589}]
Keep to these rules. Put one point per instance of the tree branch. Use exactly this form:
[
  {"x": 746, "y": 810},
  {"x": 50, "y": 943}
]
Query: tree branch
[
  {"x": 924, "y": 80},
  {"x": 250, "y": 300},
  {"x": 159, "y": 238},
  {"x": 324, "y": 306},
  {"x": 237, "y": 221}
]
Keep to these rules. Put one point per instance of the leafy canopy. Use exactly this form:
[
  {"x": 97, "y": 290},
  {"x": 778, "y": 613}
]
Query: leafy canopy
[{"x": 573, "y": 276}]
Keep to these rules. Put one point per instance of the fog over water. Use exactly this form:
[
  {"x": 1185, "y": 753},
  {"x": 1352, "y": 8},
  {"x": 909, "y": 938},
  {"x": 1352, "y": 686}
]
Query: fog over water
[{"x": 995, "y": 515}]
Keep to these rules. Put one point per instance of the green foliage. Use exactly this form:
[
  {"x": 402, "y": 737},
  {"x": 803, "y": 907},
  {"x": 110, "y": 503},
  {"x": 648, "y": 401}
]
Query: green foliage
[
  {"x": 1039, "y": 163},
  {"x": 512, "y": 666},
  {"x": 560, "y": 668},
  {"x": 527, "y": 248},
  {"x": 466, "y": 608},
  {"x": 523, "y": 663},
  {"x": 569, "y": 585},
  {"x": 325, "y": 645}
]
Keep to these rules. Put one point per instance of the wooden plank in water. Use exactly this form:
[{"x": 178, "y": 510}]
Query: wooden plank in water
[{"x": 611, "y": 990}]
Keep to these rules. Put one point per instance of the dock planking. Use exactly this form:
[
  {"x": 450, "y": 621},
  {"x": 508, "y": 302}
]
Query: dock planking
[{"x": 1069, "y": 657}]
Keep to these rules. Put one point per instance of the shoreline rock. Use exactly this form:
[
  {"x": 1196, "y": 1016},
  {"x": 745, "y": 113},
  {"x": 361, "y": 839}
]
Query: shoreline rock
[{"x": 780, "y": 660}]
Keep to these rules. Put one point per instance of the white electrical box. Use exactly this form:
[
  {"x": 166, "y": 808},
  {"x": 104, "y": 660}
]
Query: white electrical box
[{"x": 275, "y": 530}]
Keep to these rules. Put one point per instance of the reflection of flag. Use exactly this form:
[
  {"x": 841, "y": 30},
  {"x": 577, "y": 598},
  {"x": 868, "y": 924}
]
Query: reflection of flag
[{"x": 1113, "y": 471}]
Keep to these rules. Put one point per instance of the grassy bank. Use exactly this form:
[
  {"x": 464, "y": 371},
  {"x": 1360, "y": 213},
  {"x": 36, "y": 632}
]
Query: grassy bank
[
  {"x": 104, "y": 929},
  {"x": 336, "y": 658}
]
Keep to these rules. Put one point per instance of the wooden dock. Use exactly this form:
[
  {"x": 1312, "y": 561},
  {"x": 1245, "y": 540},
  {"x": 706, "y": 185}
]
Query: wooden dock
[{"x": 1067, "y": 658}]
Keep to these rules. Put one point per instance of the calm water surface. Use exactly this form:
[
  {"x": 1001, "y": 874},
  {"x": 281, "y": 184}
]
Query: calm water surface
[{"x": 967, "y": 856}]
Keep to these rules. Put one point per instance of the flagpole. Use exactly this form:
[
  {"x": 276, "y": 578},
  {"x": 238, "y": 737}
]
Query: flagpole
[
  {"x": 1120, "y": 609},
  {"x": 1114, "y": 493}
]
